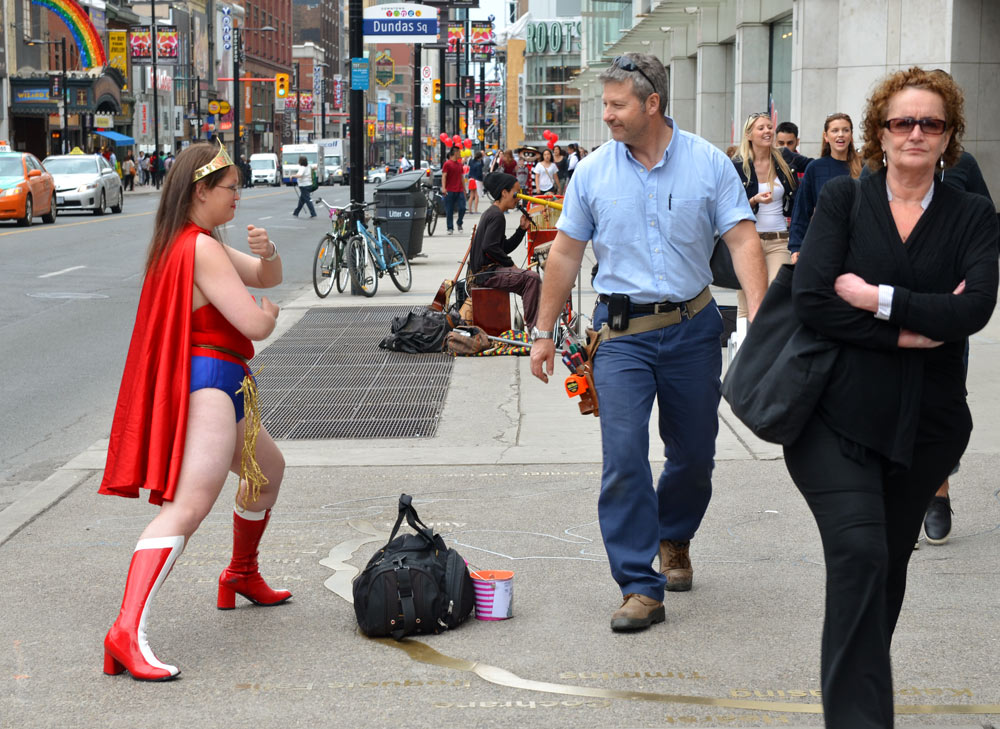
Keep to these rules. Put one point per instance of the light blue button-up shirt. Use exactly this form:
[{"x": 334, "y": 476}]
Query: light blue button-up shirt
[{"x": 653, "y": 230}]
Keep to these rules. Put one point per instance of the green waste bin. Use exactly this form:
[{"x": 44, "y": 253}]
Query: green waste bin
[{"x": 400, "y": 200}]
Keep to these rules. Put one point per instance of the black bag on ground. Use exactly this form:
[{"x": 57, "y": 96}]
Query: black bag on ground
[
  {"x": 414, "y": 584},
  {"x": 419, "y": 332}
]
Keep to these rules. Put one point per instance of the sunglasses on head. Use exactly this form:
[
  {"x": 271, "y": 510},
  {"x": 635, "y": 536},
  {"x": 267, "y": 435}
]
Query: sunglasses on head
[
  {"x": 627, "y": 64},
  {"x": 904, "y": 125},
  {"x": 758, "y": 115}
]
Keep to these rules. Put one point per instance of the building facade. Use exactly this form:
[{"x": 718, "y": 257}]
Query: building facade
[{"x": 727, "y": 58}]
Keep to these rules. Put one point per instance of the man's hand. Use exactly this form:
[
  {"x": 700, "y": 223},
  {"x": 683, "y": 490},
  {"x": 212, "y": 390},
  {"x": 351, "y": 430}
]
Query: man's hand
[
  {"x": 795, "y": 257},
  {"x": 853, "y": 289},
  {"x": 543, "y": 359},
  {"x": 258, "y": 241},
  {"x": 912, "y": 340},
  {"x": 269, "y": 306}
]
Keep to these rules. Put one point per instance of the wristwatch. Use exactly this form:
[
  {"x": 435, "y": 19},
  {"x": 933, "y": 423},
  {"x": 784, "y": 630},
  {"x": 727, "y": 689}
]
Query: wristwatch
[
  {"x": 273, "y": 255},
  {"x": 536, "y": 333}
]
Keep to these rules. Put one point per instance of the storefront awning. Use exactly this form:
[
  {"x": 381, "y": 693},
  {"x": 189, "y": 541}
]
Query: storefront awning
[{"x": 118, "y": 139}]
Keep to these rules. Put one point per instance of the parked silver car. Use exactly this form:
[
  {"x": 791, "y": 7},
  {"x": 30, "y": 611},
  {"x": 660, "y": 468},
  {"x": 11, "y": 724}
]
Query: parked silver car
[{"x": 85, "y": 182}]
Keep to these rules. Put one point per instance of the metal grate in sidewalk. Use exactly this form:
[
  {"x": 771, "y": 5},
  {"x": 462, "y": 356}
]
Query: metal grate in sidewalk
[{"x": 327, "y": 378}]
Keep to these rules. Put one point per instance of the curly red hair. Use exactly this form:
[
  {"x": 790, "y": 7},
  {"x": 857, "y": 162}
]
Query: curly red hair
[{"x": 877, "y": 110}]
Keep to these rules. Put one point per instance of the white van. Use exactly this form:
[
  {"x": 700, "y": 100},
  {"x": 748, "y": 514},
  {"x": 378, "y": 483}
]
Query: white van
[
  {"x": 264, "y": 169},
  {"x": 290, "y": 154}
]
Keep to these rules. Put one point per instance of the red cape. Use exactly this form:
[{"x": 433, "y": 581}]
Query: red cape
[{"x": 150, "y": 423}]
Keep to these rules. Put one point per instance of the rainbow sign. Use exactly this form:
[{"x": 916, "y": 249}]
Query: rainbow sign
[{"x": 83, "y": 30}]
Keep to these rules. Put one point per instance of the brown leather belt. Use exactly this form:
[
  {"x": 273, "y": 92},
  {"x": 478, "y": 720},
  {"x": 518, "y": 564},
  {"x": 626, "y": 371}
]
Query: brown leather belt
[{"x": 779, "y": 235}]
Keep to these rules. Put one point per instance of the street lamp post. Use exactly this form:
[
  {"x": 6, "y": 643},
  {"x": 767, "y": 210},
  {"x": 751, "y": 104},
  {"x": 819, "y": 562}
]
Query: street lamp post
[
  {"x": 237, "y": 101},
  {"x": 322, "y": 97},
  {"x": 64, "y": 92}
]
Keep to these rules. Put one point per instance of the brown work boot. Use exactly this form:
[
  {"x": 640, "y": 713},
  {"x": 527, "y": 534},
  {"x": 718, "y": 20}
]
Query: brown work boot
[
  {"x": 675, "y": 563},
  {"x": 637, "y": 612}
]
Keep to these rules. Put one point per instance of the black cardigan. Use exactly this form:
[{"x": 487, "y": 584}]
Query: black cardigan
[
  {"x": 752, "y": 186},
  {"x": 882, "y": 397},
  {"x": 490, "y": 247}
]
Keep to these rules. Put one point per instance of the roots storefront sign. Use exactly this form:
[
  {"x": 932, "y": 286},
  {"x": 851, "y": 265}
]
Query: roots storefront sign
[{"x": 553, "y": 36}]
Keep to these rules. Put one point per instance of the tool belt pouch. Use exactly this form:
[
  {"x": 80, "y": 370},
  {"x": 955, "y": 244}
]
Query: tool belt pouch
[
  {"x": 588, "y": 400},
  {"x": 414, "y": 584}
]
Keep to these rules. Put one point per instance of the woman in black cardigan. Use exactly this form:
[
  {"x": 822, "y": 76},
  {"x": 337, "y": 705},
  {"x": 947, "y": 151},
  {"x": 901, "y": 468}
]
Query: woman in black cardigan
[{"x": 916, "y": 275}]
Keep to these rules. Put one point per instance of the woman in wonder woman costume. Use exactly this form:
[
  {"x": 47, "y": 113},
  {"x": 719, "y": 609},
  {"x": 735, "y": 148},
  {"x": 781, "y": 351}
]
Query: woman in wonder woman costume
[{"x": 187, "y": 411}]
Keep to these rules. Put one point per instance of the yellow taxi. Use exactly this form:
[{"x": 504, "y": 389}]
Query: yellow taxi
[{"x": 26, "y": 188}]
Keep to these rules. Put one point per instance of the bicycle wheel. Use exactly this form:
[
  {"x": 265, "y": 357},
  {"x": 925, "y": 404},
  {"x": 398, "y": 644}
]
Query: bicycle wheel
[
  {"x": 361, "y": 265},
  {"x": 399, "y": 267},
  {"x": 340, "y": 269},
  {"x": 323, "y": 264},
  {"x": 432, "y": 219}
]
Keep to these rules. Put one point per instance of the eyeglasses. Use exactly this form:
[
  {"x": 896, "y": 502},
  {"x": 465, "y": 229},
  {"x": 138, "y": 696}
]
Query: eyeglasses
[
  {"x": 235, "y": 189},
  {"x": 627, "y": 64},
  {"x": 904, "y": 125}
]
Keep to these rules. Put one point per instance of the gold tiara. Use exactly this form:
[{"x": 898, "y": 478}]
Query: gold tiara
[{"x": 221, "y": 160}]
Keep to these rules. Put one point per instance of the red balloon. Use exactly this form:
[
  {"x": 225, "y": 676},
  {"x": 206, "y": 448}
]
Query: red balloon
[
  {"x": 468, "y": 144},
  {"x": 546, "y": 134},
  {"x": 551, "y": 144},
  {"x": 443, "y": 137},
  {"x": 447, "y": 143},
  {"x": 554, "y": 138}
]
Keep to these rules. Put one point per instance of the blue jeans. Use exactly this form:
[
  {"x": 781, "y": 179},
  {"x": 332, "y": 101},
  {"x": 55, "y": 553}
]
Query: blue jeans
[
  {"x": 450, "y": 199},
  {"x": 681, "y": 367},
  {"x": 305, "y": 198}
]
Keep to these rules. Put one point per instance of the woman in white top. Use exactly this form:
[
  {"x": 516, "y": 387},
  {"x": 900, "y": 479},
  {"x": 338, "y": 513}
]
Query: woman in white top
[
  {"x": 770, "y": 186},
  {"x": 546, "y": 174}
]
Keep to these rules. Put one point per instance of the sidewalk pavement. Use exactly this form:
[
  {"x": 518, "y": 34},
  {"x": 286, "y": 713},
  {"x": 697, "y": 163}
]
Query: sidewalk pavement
[{"x": 511, "y": 479}]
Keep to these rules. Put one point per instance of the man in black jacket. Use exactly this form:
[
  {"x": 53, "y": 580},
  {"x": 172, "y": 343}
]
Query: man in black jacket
[{"x": 489, "y": 261}]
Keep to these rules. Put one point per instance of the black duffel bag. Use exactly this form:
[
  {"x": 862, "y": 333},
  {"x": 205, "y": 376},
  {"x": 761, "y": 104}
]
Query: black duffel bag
[{"x": 414, "y": 584}]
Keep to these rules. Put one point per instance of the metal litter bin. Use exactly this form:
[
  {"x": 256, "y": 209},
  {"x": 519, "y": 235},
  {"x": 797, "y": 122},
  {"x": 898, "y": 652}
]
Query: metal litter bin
[{"x": 400, "y": 200}]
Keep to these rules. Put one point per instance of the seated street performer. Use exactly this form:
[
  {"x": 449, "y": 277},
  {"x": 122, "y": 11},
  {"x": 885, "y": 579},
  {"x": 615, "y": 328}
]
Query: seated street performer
[{"x": 489, "y": 261}]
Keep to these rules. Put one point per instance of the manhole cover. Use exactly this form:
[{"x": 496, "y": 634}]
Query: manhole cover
[{"x": 327, "y": 378}]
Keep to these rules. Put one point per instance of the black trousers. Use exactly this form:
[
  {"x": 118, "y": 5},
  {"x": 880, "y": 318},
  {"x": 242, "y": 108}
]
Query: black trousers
[{"x": 869, "y": 518}]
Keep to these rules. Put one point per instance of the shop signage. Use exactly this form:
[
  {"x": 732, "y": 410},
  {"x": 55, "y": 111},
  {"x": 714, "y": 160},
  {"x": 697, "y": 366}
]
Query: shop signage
[
  {"x": 118, "y": 50},
  {"x": 104, "y": 121},
  {"x": 32, "y": 96},
  {"x": 400, "y": 23},
  {"x": 385, "y": 68},
  {"x": 553, "y": 36},
  {"x": 338, "y": 93}
]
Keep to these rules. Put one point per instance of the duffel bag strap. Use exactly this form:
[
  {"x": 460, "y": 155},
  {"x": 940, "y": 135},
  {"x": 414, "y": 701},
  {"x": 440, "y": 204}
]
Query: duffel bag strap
[
  {"x": 404, "y": 589},
  {"x": 406, "y": 509}
]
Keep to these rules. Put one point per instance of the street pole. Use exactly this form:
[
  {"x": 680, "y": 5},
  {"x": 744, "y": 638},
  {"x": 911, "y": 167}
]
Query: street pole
[
  {"x": 197, "y": 106},
  {"x": 482, "y": 102},
  {"x": 237, "y": 50},
  {"x": 355, "y": 34},
  {"x": 415, "y": 131},
  {"x": 298, "y": 107},
  {"x": 156, "y": 91},
  {"x": 443, "y": 71},
  {"x": 65, "y": 95}
]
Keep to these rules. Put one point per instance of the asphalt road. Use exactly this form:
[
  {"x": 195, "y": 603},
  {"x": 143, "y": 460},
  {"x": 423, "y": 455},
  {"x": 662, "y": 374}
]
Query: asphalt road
[{"x": 68, "y": 295}]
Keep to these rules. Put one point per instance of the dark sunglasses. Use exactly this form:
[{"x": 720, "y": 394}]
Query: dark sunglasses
[
  {"x": 627, "y": 64},
  {"x": 904, "y": 125},
  {"x": 758, "y": 115}
]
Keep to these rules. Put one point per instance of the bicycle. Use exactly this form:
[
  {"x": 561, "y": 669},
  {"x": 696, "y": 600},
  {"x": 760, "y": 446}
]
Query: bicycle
[
  {"x": 370, "y": 256},
  {"x": 330, "y": 261},
  {"x": 432, "y": 194}
]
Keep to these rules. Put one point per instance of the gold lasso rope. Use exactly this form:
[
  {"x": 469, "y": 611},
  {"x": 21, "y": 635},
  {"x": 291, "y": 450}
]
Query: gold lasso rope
[{"x": 250, "y": 472}]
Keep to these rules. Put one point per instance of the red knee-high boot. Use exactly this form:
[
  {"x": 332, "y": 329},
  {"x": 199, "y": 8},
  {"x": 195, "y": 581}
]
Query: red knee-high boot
[
  {"x": 242, "y": 576},
  {"x": 125, "y": 646}
]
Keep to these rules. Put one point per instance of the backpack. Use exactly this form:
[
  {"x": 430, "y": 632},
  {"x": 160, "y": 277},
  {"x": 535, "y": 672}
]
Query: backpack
[
  {"x": 315, "y": 183},
  {"x": 419, "y": 331},
  {"x": 414, "y": 584}
]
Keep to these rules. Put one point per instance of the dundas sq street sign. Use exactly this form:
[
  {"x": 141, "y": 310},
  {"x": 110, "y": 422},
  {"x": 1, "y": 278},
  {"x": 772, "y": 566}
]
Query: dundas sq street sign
[{"x": 400, "y": 23}]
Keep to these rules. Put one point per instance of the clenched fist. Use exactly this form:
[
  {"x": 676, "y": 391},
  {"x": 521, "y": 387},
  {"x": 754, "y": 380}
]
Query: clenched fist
[{"x": 258, "y": 241}]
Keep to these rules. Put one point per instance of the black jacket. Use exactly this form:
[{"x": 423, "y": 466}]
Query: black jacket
[
  {"x": 490, "y": 247},
  {"x": 881, "y": 397},
  {"x": 752, "y": 186}
]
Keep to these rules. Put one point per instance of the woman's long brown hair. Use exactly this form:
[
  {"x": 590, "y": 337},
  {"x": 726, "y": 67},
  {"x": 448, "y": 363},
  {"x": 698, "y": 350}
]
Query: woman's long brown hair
[
  {"x": 854, "y": 163},
  {"x": 175, "y": 200}
]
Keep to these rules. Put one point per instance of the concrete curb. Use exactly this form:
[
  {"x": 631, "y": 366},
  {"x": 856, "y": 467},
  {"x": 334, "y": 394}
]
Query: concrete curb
[{"x": 39, "y": 500}]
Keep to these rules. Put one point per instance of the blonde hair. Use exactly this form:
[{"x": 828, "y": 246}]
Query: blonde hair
[{"x": 745, "y": 155}]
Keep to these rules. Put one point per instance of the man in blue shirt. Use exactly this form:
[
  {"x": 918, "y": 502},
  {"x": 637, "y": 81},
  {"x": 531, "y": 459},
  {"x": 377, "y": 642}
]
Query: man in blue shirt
[{"x": 650, "y": 201}]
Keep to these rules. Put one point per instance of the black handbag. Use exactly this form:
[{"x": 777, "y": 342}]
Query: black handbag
[
  {"x": 780, "y": 370},
  {"x": 414, "y": 584},
  {"x": 721, "y": 263}
]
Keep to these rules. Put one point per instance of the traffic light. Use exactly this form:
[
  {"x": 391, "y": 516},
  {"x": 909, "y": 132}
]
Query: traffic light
[
  {"x": 281, "y": 85},
  {"x": 437, "y": 90}
]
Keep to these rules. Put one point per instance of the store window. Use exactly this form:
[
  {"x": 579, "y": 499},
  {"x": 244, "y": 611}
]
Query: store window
[
  {"x": 780, "y": 67},
  {"x": 551, "y": 103}
]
